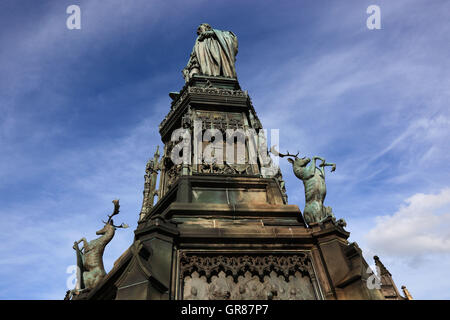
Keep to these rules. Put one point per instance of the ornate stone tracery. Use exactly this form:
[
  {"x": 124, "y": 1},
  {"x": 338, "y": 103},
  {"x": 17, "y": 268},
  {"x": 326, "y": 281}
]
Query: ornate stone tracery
[{"x": 207, "y": 91}]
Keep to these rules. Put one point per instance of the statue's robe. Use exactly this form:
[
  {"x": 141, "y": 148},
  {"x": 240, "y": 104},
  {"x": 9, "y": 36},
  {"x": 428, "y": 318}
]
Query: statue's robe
[{"x": 216, "y": 53}]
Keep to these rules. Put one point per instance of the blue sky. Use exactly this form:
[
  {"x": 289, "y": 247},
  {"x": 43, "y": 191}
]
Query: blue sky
[{"x": 79, "y": 112}]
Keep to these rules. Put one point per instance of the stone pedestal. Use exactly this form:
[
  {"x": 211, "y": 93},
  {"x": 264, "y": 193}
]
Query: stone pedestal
[{"x": 226, "y": 231}]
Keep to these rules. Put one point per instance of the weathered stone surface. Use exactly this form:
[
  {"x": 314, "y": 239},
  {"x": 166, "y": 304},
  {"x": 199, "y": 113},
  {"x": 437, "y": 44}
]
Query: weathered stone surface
[
  {"x": 225, "y": 231},
  {"x": 248, "y": 287}
]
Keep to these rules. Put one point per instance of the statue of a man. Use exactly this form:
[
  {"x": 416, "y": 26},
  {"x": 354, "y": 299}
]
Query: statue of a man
[{"x": 214, "y": 53}]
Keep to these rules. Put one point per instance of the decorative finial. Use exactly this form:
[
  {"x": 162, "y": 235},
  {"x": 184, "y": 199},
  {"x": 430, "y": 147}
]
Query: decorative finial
[{"x": 406, "y": 293}]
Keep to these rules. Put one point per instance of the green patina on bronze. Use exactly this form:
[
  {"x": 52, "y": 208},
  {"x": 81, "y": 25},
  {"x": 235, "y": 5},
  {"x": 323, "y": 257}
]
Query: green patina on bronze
[
  {"x": 315, "y": 188},
  {"x": 225, "y": 230},
  {"x": 90, "y": 256},
  {"x": 213, "y": 54}
]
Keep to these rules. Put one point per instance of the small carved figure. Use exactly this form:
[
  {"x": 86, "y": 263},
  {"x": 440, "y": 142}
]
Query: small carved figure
[
  {"x": 314, "y": 181},
  {"x": 150, "y": 192},
  {"x": 90, "y": 256},
  {"x": 282, "y": 185}
]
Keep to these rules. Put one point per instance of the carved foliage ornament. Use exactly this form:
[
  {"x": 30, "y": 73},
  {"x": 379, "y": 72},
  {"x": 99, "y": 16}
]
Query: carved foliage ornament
[{"x": 260, "y": 265}]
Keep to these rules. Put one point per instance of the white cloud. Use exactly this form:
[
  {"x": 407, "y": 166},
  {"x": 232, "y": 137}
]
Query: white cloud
[
  {"x": 401, "y": 86},
  {"x": 420, "y": 227}
]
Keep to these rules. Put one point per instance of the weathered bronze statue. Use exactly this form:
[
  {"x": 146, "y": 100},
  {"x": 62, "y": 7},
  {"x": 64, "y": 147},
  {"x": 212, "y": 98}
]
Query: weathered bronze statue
[
  {"x": 213, "y": 54},
  {"x": 314, "y": 181},
  {"x": 90, "y": 256}
]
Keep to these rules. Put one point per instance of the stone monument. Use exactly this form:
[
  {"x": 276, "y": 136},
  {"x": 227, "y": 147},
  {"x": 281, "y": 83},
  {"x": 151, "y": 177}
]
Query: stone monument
[{"x": 221, "y": 227}]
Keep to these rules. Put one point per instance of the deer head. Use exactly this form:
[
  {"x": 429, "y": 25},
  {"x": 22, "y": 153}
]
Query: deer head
[{"x": 294, "y": 159}]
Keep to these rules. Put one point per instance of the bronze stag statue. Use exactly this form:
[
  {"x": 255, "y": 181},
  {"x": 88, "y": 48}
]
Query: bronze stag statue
[
  {"x": 314, "y": 181},
  {"x": 90, "y": 256}
]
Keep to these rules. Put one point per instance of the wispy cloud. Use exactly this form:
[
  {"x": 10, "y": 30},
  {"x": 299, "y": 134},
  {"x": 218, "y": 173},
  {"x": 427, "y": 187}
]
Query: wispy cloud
[
  {"x": 40, "y": 232},
  {"x": 378, "y": 106},
  {"x": 79, "y": 116}
]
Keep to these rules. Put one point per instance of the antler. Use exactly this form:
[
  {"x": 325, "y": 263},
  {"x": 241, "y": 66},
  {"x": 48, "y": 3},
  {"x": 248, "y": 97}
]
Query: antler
[
  {"x": 275, "y": 152},
  {"x": 115, "y": 212}
]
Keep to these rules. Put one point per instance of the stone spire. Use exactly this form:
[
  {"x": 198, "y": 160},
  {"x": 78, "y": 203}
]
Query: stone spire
[{"x": 388, "y": 287}]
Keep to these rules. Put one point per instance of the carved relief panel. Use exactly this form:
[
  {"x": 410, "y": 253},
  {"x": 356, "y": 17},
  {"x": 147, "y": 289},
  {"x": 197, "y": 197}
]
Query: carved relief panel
[
  {"x": 248, "y": 277},
  {"x": 223, "y": 121},
  {"x": 220, "y": 120}
]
